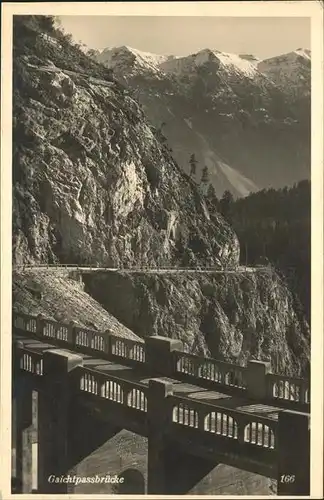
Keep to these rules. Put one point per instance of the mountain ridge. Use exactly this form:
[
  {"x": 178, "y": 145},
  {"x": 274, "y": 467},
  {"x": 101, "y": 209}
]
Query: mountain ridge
[
  {"x": 210, "y": 101},
  {"x": 159, "y": 60}
]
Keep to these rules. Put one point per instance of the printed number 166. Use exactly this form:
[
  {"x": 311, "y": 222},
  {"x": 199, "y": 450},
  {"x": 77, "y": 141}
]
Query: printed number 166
[{"x": 287, "y": 479}]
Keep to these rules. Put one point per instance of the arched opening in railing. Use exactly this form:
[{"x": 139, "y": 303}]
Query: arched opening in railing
[
  {"x": 207, "y": 371},
  {"x": 98, "y": 343},
  {"x": 31, "y": 325},
  {"x": 88, "y": 383},
  {"x": 31, "y": 364},
  {"x": 26, "y": 363},
  {"x": 284, "y": 389},
  {"x": 136, "y": 352},
  {"x": 137, "y": 399},
  {"x": 62, "y": 333},
  {"x": 113, "y": 391},
  {"x": 210, "y": 371},
  {"x": 184, "y": 415},
  {"x": 221, "y": 423},
  {"x": 259, "y": 434},
  {"x": 119, "y": 348},
  {"x": 49, "y": 330},
  {"x": 82, "y": 338},
  {"x": 185, "y": 365}
]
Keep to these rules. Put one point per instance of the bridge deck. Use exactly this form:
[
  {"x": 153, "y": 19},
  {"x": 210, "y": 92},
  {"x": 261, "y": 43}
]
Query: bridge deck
[{"x": 180, "y": 388}]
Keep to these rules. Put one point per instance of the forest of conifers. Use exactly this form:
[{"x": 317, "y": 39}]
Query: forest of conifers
[{"x": 275, "y": 226}]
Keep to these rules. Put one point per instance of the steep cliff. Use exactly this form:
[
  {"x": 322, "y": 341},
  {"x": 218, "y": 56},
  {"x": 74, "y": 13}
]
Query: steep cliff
[
  {"x": 230, "y": 316},
  {"x": 92, "y": 182}
]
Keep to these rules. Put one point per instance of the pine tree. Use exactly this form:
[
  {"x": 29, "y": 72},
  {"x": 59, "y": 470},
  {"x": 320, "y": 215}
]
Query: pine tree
[
  {"x": 205, "y": 175},
  {"x": 211, "y": 198},
  {"x": 226, "y": 205},
  {"x": 193, "y": 164},
  {"x": 204, "y": 181}
]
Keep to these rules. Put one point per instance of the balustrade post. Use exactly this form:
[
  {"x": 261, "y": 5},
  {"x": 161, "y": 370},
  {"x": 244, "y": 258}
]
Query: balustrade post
[
  {"x": 256, "y": 376},
  {"x": 241, "y": 431},
  {"x": 293, "y": 445},
  {"x": 159, "y": 354},
  {"x": 72, "y": 333},
  {"x": 107, "y": 340},
  {"x": 196, "y": 364},
  {"x": 159, "y": 417},
  {"x": 53, "y": 418},
  {"x": 40, "y": 325}
]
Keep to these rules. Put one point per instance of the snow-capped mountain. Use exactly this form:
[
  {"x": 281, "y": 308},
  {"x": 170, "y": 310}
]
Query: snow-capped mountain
[
  {"x": 247, "y": 120},
  {"x": 132, "y": 60},
  {"x": 290, "y": 71},
  {"x": 231, "y": 63}
]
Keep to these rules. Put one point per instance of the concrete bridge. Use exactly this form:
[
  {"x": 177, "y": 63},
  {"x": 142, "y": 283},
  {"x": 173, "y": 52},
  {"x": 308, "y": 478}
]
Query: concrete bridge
[{"x": 196, "y": 412}]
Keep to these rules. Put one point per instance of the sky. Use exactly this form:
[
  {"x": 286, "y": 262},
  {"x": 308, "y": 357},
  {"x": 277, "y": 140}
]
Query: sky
[{"x": 261, "y": 36}]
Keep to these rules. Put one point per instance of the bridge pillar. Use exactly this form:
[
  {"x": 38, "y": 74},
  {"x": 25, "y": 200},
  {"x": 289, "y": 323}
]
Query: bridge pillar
[
  {"x": 293, "y": 442},
  {"x": 159, "y": 353},
  {"x": 169, "y": 470},
  {"x": 22, "y": 427},
  {"x": 53, "y": 422},
  {"x": 158, "y": 421},
  {"x": 257, "y": 378}
]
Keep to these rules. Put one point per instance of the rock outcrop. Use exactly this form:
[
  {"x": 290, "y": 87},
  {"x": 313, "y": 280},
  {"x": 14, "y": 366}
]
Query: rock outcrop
[
  {"x": 92, "y": 181},
  {"x": 230, "y": 316}
]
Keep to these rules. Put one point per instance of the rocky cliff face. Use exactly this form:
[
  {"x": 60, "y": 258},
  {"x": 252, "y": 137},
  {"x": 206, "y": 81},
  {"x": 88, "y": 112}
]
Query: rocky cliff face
[
  {"x": 229, "y": 316},
  {"x": 231, "y": 111},
  {"x": 92, "y": 182}
]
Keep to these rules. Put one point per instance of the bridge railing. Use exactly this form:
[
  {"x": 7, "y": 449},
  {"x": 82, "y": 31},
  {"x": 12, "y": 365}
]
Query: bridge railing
[
  {"x": 50, "y": 329},
  {"x": 25, "y": 322},
  {"x": 210, "y": 369},
  {"x": 81, "y": 338},
  {"x": 91, "y": 339},
  {"x": 166, "y": 357},
  {"x": 30, "y": 361},
  {"x": 127, "y": 348},
  {"x": 245, "y": 428},
  {"x": 285, "y": 388},
  {"x": 106, "y": 386}
]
